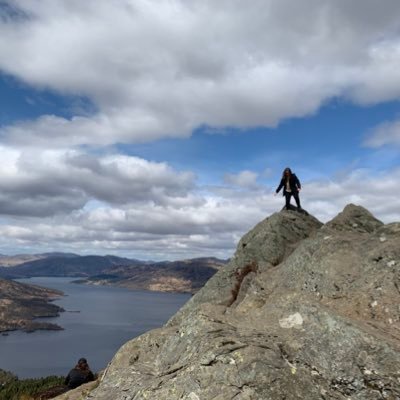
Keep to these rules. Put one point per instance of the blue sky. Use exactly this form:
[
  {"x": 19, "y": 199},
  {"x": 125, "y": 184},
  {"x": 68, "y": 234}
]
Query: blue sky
[
  {"x": 159, "y": 139},
  {"x": 316, "y": 146}
]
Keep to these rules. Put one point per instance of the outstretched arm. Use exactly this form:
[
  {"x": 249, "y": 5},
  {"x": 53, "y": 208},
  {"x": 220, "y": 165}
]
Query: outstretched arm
[{"x": 279, "y": 187}]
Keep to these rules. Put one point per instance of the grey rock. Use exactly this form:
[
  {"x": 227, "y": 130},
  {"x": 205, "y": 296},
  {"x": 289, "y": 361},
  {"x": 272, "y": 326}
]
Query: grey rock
[
  {"x": 355, "y": 218},
  {"x": 302, "y": 311}
]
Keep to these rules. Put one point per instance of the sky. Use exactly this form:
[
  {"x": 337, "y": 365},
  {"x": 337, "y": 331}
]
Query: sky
[{"x": 159, "y": 129}]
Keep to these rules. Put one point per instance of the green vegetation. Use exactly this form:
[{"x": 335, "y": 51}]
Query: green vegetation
[
  {"x": 6, "y": 377},
  {"x": 29, "y": 389}
]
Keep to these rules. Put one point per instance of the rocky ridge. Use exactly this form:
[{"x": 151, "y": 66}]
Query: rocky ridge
[{"x": 302, "y": 311}]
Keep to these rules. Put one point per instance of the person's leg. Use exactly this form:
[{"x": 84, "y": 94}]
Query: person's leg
[
  {"x": 287, "y": 197},
  {"x": 297, "y": 198}
]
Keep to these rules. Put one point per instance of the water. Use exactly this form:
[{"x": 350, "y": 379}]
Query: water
[{"x": 108, "y": 318}]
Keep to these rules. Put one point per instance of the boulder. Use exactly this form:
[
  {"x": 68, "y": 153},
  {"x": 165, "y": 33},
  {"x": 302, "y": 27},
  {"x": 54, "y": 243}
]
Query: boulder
[{"x": 302, "y": 311}]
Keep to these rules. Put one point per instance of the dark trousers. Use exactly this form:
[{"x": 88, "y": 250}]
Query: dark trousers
[{"x": 288, "y": 195}]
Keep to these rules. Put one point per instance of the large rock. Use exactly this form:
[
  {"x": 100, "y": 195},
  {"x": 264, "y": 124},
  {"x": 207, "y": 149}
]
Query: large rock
[{"x": 302, "y": 311}]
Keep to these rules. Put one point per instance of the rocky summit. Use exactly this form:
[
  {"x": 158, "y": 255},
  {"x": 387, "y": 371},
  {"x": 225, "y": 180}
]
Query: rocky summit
[{"x": 304, "y": 310}]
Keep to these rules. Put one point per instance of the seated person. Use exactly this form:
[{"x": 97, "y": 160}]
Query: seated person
[{"x": 79, "y": 375}]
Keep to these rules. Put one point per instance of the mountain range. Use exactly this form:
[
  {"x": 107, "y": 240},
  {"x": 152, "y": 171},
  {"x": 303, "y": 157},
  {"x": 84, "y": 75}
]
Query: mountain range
[
  {"x": 172, "y": 276},
  {"x": 59, "y": 264},
  {"x": 185, "y": 276}
]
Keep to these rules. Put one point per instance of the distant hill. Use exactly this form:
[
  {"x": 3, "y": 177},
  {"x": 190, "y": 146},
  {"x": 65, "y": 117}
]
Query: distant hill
[
  {"x": 63, "y": 264},
  {"x": 12, "y": 261},
  {"x": 20, "y": 304},
  {"x": 167, "y": 276}
]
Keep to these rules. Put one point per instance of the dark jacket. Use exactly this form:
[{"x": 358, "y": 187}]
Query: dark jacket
[
  {"x": 77, "y": 377},
  {"x": 294, "y": 184}
]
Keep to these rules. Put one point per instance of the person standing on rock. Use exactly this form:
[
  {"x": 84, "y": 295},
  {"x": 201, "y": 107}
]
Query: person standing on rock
[{"x": 291, "y": 187}]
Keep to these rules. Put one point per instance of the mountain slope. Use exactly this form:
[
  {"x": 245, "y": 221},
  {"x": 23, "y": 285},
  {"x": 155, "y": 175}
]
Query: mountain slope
[
  {"x": 20, "y": 304},
  {"x": 64, "y": 265},
  {"x": 167, "y": 276},
  {"x": 302, "y": 311}
]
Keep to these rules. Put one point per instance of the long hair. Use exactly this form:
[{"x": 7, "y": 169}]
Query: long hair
[{"x": 283, "y": 173}]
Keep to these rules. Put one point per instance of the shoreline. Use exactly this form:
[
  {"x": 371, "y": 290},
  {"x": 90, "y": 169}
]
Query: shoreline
[{"x": 22, "y": 305}]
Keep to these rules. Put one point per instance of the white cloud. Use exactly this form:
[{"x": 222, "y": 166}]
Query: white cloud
[
  {"x": 244, "y": 179},
  {"x": 161, "y": 68},
  {"x": 325, "y": 198},
  {"x": 210, "y": 222},
  {"x": 387, "y": 133},
  {"x": 49, "y": 182}
]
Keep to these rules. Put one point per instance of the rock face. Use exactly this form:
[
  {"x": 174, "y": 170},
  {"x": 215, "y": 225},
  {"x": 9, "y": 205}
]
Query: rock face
[{"x": 302, "y": 311}]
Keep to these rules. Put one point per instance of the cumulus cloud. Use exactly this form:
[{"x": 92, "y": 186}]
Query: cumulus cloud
[
  {"x": 162, "y": 69},
  {"x": 325, "y": 198},
  {"x": 141, "y": 231},
  {"x": 211, "y": 223},
  {"x": 387, "y": 133},
  {"x": 50, "y": 182},
  {"x": 244, "y": 179}
]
